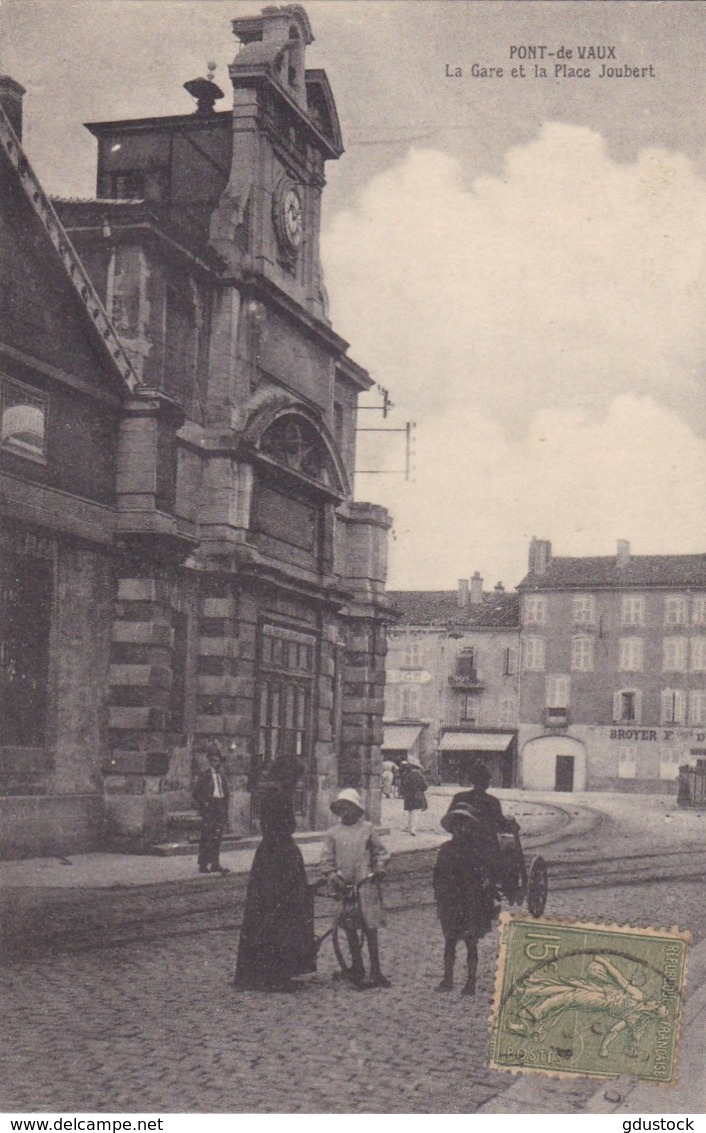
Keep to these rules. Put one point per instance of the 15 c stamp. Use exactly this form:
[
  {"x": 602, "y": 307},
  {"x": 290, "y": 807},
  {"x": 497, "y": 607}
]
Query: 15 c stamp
[{"x": 575, "y": 997}]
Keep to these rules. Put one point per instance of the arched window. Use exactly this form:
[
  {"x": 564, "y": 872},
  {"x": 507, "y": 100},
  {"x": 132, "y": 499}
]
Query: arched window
[
  {"x": 22, "y": 420},
  {"x": 294, "y": 443}
]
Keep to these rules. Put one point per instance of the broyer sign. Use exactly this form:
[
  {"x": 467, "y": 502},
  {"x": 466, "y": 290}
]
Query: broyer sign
[{"x": 663, "y": 735}]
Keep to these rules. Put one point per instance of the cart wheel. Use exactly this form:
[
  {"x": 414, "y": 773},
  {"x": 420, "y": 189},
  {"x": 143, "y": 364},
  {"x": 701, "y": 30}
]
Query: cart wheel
[
  {"x": 347, "y": 939},
  {"x": 514, "y": 878},
  {"x": 537, "y": 887}
]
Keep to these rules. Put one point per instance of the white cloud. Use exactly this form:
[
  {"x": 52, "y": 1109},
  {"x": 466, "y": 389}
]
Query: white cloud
[{"x": 547, "y": 331}]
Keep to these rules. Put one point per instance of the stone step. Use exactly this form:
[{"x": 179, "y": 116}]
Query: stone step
[
  {"x": 180, "y": 847},
  {"x": 183, "y": 827},
  {"x": 230, "y": 842}
]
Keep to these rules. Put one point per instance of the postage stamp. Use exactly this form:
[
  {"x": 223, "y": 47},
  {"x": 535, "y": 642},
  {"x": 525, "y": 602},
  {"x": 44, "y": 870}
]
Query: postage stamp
[{"x": 599, "y": 1000}]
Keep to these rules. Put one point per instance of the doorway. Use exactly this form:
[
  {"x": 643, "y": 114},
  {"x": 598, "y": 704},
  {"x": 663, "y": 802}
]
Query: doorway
[{"x": 564, "y": 780}]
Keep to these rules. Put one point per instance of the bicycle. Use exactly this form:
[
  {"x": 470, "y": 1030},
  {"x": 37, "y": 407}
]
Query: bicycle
[{"x": 347, "y": 931}]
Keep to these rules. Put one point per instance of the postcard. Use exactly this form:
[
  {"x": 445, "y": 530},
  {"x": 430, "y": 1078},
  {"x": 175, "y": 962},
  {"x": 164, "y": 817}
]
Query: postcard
[{"x": 352, "y": 560}]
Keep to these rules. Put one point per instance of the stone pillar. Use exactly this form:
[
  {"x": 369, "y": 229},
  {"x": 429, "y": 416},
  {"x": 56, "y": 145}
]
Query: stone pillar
[
  {"x": 363, "y": 692},
  {"x": 146, "y": 480},
  {"x": 362, "y": 712},
  {"x": 138, "y": 712},
  {"x": 324, "y": 779},
  {"x": 225, "y": 684}
]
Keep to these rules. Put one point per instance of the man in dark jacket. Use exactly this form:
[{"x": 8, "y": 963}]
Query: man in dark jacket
[{"x": 211, "y": 798}]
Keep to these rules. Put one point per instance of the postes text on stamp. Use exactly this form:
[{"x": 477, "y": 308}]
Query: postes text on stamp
[{"x": 575, "y": 997}]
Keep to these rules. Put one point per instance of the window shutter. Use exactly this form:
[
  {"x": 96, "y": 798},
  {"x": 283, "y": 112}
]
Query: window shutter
[
  {"x": 666, "y": 713},
  {"x": 617, "y": 705},
  {"x": 680, "y": 707},
  {"x": 638, "y": 707}
]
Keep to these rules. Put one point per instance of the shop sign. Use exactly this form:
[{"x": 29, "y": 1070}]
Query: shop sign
[
  {"x": 408, "y": 677},
  {"x": 655, "y": 735}
]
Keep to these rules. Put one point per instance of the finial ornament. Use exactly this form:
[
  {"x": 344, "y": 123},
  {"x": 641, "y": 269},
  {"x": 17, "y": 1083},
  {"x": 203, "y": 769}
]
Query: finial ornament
[{"x": 211, "y": 71}]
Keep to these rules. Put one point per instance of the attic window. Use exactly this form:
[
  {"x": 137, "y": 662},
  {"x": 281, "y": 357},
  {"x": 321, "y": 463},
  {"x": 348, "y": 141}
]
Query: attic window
[
  {"x": 127, "y": 186},
  {"x": 23, "y": 416}
]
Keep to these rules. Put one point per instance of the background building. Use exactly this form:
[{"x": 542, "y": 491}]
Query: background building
[
  {"x": 184, "y": 557},
  {"x": 452, "y": 680},
  {"x": 613, "y": 682}
]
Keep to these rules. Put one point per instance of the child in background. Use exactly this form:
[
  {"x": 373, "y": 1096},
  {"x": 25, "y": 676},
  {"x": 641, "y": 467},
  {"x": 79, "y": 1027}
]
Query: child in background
[
  {"x": 463, "y": 891},
  {"x": 352, "y": 851}
]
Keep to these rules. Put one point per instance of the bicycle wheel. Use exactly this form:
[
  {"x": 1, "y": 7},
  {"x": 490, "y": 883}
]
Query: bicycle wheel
[
  {"x": 348, "y": 937},
  {"x": 537, "y": 887}
]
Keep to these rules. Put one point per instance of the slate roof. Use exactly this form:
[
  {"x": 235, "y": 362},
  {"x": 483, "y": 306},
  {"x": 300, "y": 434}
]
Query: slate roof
[
  {"x": 441, "y": 608},
  {"x": 673, "y": 571},
  {"x": 94, "y": 312}
]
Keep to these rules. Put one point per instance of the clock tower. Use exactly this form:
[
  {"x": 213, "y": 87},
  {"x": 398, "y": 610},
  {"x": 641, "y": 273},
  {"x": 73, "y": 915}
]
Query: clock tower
[
  {"x": 239, "y": 539},
  {"x": 285, "y": 128}
]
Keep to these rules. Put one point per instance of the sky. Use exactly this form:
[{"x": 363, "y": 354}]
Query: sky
[{"x": 519, "y": 260}]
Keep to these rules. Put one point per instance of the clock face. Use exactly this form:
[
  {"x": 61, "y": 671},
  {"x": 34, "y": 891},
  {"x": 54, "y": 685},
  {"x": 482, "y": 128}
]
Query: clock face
[
  {"x": 293, "y": 216},
  {"x": 288, "y": 215}
]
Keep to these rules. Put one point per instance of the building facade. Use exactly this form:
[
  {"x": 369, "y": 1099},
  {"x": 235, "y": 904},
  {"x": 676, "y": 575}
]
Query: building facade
[
  {"x": 185, "y": 556},
  {"x": 452, "y": 681},
  {"x": 613, "y": 678}
]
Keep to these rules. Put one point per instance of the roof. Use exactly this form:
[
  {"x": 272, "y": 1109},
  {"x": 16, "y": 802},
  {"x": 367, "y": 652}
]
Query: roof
[
  {"x": 475, "y": 741},
  {"x": 398, "y": 736},
  {"x": 77, "y": 214},
  {"x": 90, "y": 305},
  {"x": 498, "y": 610},
  {"x": 672, "y": 571}
]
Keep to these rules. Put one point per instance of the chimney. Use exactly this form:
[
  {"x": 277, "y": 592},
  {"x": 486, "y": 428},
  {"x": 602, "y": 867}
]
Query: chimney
[
  {"x": 462, "y": 593},
  {"x": 623, "y": 556},
  {"x": 540, "y": 554},
  {"x": 476, "y": 589},
  {"x": 205, "y": 92},
  {"x": 11, "y": 95},
  {"x": 499, "y": 588}
]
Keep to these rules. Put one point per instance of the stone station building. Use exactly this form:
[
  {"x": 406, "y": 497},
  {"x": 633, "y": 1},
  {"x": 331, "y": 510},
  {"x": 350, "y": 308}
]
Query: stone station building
[{"x": 183, "y": 557}]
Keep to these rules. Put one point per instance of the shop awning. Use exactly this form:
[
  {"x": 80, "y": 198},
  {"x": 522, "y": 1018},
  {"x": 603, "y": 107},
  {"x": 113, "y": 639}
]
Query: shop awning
[
  {"x": 475, "y": 741},
  {"x": 400, "y": 737}
]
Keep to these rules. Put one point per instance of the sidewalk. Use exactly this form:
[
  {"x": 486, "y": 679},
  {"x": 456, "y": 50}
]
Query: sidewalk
[{"x": 117, "y": 871}]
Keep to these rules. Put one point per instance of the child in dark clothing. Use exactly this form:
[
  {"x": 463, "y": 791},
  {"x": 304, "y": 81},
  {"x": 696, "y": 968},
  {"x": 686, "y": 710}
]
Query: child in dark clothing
[{"x": 463, "y": 892}]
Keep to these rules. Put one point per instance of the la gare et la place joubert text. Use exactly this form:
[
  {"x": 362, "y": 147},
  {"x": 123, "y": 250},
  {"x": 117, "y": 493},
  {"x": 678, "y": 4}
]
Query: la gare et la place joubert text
[{"x": 537, "y": 61}]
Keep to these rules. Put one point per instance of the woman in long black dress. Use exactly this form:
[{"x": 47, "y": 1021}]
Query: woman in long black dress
[{"x": 277, "y": 935}]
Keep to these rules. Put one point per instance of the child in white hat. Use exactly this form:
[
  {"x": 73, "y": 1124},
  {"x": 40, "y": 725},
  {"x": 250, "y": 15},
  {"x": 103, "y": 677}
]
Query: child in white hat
[{"x": 351, "y": 853}]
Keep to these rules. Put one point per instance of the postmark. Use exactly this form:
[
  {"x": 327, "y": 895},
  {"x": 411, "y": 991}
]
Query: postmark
[{"x": 583, "y": 998}]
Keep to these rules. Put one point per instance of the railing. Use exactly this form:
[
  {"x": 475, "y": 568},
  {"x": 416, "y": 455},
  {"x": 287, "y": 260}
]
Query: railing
[
  {"x": 556, "y": 717},
  {"x": 471, "y": 680}
]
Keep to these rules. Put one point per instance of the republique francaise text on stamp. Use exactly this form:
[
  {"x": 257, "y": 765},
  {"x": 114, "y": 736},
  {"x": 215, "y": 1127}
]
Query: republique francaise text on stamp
[{"x": 575, "y": 997}]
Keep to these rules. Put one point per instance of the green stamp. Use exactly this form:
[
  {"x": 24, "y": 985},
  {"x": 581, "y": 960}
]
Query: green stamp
[{"x": 601, "y": 1000}]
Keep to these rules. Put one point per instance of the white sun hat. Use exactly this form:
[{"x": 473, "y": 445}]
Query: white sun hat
[{"x": 348, "y": 795}]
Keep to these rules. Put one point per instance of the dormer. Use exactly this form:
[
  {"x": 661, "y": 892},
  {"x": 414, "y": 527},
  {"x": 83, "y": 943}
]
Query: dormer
[{"x": 277, "y": 39}]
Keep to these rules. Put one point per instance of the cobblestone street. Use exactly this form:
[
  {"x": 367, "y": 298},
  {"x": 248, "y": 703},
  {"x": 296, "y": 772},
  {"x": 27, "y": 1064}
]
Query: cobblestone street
[{"x": 158, "y": 1028}]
